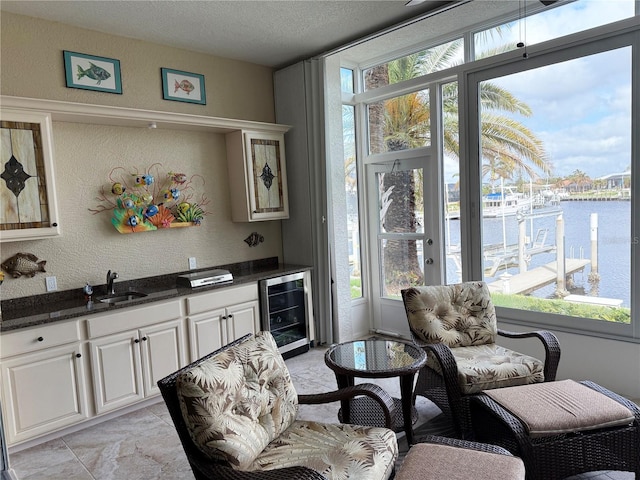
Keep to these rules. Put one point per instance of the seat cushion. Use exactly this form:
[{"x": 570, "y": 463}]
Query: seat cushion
[
  {"x": 235, "y": 403},
  {"x": 427, "y": 461},
  {"x": 560, "y": 407},
  {"x": 338, "y": 451},
  {"x": 491, "y": 366},
  {"x": 456, "y": 315}
]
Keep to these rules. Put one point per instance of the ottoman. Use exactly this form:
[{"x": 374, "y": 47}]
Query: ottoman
[
  {"x": 452, "y": 459},
  {"x": 560, "y": 429}
]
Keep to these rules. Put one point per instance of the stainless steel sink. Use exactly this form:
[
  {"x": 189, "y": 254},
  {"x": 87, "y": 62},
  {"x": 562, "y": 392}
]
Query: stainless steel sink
[{"x": 122, "y": 297}]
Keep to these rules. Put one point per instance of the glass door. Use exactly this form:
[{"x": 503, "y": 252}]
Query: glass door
[{"x": 405, "y": 233}]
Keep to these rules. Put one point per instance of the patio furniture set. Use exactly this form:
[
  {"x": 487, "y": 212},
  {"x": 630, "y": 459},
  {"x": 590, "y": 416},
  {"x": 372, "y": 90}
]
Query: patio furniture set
[{"x": 235, "y": 409}]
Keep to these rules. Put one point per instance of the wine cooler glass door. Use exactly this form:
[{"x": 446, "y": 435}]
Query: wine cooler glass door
[{"x": 284, "y": 311}]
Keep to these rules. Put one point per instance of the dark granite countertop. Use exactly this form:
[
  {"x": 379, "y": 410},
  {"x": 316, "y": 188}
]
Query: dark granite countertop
[{"x": 26, "y": 312}]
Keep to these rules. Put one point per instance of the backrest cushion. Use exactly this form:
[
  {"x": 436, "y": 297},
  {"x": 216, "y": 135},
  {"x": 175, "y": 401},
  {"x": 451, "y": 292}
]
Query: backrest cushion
[
  {"x": 236, "y": 402},
  {"x": 458, "y": 315}
]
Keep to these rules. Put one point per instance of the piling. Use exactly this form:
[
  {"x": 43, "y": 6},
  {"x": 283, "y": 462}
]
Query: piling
[
  {"x": 561, "y": 289},
  {"x": 594, "y": 276},
  {"x": 522, "y": 261}
]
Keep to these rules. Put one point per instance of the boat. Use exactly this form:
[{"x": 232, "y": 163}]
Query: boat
[{"x": 505, "y": 203}]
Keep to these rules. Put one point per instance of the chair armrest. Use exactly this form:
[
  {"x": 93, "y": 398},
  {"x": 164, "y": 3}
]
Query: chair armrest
[
  {"x": 376, "y": 392},
  {"x": 551, "y": 348},
  {"x": 448, "y": 365},
  {"x": 212, "y": 471},
  {"x": 455, "y": 442}
]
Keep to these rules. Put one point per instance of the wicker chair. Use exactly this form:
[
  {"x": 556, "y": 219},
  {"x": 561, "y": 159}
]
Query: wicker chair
[
  {"x": 249, "y": 387},
  {"x": 457, "y": 327}
]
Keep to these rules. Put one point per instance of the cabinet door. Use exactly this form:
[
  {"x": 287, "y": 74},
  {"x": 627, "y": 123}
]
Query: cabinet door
[
  {"x": 28, "y": 211},
  {"x": 163, "y": 352},
  {"x": 117, "y": 376},
  {"x": 207, "y": 333},
  {"x": 30, "y": 383},
  {"x": 242, "y": 319},
  {"x": 257, "y": 176}
]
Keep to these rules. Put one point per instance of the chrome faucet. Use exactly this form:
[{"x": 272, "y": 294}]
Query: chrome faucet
[{"x": 111, "y": 276}]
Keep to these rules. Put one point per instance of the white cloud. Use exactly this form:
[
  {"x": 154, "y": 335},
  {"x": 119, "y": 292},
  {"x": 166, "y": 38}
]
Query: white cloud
[{"x": 582, "y": 107}]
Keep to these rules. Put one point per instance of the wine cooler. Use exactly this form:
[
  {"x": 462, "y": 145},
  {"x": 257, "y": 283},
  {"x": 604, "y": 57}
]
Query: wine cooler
[{"x": 283, "y": 307}]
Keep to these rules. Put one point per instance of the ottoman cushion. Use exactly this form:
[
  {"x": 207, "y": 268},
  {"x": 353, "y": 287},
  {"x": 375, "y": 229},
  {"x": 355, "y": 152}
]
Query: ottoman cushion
[
  {"x": 561, "y": 407},
  {"x": 427, "y": 461}
]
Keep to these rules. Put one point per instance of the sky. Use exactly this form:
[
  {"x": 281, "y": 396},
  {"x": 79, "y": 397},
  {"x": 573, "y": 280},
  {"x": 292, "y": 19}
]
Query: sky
[{"x": 581, "y": 108}]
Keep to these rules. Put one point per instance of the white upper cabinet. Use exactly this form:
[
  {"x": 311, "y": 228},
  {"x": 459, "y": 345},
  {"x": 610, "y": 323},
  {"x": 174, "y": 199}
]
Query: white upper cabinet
[
  {"x": 27, "y": 186},
  {"x": 257, "y": 176}
]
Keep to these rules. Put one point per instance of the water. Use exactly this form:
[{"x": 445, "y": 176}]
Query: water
[{"x": 614, "y": 246}]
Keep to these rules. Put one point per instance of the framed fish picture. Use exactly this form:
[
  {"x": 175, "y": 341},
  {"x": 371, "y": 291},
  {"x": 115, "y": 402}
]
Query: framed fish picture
[
  {"x": 183, "y": 86},
  {"x": 90, "y": 72}
]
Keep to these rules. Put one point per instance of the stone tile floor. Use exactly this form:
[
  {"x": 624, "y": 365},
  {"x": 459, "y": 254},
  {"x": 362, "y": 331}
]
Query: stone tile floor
[{"x": 143, "y": 445}]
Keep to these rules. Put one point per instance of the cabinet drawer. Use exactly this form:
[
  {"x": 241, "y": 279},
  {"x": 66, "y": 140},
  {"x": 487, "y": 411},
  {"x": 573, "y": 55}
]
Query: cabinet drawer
[
  {"x": 222, "y": 298},
  {"x": 37, "y": 338},
  {"x": 132, "y": 318}
]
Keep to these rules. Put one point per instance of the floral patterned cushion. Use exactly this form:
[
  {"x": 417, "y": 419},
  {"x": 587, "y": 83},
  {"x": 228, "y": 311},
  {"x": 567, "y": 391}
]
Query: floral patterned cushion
[
  {"x": 237, "y": 402},
  {"x": 484, "y": 367},
  {"x": 338, "y": 451},
  {"x": 456, "y": 315}
]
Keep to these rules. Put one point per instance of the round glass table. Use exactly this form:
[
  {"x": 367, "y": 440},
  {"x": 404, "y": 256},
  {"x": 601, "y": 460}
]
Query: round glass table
[{"x": 377, "y": 358}]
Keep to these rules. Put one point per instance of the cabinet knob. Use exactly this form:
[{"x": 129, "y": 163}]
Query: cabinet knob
[
  {"x": 78, "y": 355},
  {"x": 144, "y": 339},
  {"x": 54, "y": 224},
  {"x": 41, "y": 339},
  {"x": 137, "y": 341},
  {"x": 231, "y": 315},
  {"x": 224, "y": 317}
]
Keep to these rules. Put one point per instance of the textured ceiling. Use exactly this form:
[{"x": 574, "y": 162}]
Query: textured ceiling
[{"x": 265, "y": 32}]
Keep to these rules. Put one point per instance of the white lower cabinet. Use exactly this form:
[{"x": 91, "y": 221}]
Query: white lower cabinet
[
  {"x": 47, "y": 371},
  {"x": 127, "y": 364},
  {"x": 117, "y": 371},
  {"x": 219, "y": 317},
  {"x": 44, "y": 390}
]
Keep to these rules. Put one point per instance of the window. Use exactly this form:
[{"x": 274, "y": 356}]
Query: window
[
  {"x": 351, "y": 187},
  {"x": 346, "y": 80},
  {"x": 400, "y": 123},
  {"x": 549, "y": 24},
  {"x": 536, "y": 161},
  {"x": 430, "y": 60},
  {"x": 451, "y": 180},
  {"x": 555, "y": 172}
]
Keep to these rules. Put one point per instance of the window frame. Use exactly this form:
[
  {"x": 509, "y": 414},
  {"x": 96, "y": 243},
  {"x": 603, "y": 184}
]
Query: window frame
[
  {"x": 618, "y": 34},
  {"x": 600, "y": 39}
]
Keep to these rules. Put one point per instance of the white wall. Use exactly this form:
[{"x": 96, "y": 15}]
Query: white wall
[
  {"x": 84, "y": 155},
  {"x": 610, "y": 363}
]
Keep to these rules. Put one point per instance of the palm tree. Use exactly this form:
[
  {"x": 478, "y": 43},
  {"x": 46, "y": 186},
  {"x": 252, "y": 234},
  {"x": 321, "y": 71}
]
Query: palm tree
[
  {"x": 580, "y": 178},
  {"x": 404, "y": 122}
]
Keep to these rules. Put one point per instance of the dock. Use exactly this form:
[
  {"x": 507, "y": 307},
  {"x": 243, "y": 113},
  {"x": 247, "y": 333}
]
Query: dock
[
  {"x": 527, "y": 282},
  {"x": 607, "y": 302}
]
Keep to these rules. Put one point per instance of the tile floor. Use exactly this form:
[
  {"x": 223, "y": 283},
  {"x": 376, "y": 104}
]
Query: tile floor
[{"x": 143, "y": 445}]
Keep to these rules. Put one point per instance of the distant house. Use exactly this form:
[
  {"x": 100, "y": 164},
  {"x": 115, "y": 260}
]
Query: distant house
[
  {"x": 616, "y": 180},
  {"x": 573, "y": 186}
]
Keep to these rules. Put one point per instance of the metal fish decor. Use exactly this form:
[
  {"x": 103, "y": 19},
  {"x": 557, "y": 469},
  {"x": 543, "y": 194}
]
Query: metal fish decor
[
  {"x": 26, "y": 264},
  {"x": 254, "y": 239}
]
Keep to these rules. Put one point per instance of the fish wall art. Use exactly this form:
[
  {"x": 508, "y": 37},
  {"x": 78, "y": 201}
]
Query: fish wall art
[
  {"x": 152, "y": 199},
  {"x": 23, "y": 264}
]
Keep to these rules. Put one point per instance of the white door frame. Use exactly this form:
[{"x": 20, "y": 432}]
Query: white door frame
[{"x": 388, "y": 314}]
